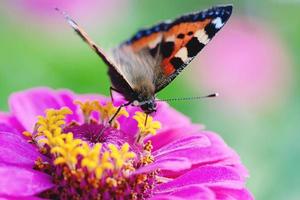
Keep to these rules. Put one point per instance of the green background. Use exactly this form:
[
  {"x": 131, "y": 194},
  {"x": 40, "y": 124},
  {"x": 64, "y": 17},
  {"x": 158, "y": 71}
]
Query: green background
[{"x": 39, "y": 49}]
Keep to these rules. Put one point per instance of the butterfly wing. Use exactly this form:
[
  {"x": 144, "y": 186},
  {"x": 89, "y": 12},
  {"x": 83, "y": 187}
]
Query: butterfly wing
[
  {"x": 119, "y": 81},
  {"x": 175, "y": 43}
]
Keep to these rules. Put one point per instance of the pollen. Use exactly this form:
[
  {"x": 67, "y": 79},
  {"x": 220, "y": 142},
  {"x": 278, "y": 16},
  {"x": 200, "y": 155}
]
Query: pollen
[{"x": 146, "y": 124}]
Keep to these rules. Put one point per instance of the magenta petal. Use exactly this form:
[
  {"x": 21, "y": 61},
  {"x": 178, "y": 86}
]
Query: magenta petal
[
  {"x": 194, "y": 141},
  {"x": 23, "y": 198},
  {"x": 91, "y": 97},
  {"x": 193, "y": 192},
  {"x": 17, "y": 181},
  {"x": 169, "y": 117},
  {"x": 4, "y": 118},
  {"x": 204, "y": 175},
  {"x": 15, "y": 150},
  {"x": 171, "y": 134},
  {"x": 189, "y": 147},
  {"x": 11, "y": 121},
  {"x": 27, "y": 105},
  {"x": 7, "y": 128},
  {"x": 202, "y": 148},
  {"x": 67, "y": 99},
  {"x": 224, "y": 193},
  {"x": 169, "y": 164},
  {"x": 166, "y": 197}
]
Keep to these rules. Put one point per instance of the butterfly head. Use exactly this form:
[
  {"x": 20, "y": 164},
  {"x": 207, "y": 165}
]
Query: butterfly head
[
  {"x": 148, "y": 106},
  {"x": 144, "y": 95},
  {"x": 146, "y": 100}
]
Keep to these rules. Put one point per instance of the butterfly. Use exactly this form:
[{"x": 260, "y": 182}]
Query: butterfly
[{"x": 149, "y": 61}]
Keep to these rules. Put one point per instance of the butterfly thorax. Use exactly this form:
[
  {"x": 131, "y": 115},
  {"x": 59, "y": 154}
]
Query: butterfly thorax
[{"x": 137, "y": 70}]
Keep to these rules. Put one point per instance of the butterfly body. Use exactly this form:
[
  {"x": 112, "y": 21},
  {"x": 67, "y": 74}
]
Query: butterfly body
[{"x": 145, "y": 64}]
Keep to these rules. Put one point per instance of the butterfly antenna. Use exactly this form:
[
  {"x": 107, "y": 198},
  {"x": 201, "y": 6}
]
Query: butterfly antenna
[{"x": 190, "y": 98}]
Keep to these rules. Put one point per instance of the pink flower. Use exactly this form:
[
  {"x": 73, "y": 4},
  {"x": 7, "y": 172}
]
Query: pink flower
[
  {"x": 72, "y": 152},
  {"x": 254, "y": 74},
  {"x": 43, "y": 13}
]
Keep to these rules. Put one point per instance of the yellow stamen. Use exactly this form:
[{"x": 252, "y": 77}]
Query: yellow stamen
[
  {"x": 121, "y": 156},
  {"x": 91, "y": 156},
  {"x": 87, "y": 108},
  {"x": 50, "y": 126},
  {"x": 67, "y": 150},
  {"x": 145, "y": 129},
  {"x": 108, "y": 111}
]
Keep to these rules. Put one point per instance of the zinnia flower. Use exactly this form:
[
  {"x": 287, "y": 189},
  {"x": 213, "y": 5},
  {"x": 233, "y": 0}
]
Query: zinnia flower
[{"x": 59, "y": 145}]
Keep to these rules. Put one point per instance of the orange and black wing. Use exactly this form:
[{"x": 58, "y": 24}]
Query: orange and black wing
[{"x": 177, "y": 42}]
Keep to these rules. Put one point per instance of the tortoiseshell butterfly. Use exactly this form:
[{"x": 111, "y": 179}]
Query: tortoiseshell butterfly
[{"x": 152, "y": 58}]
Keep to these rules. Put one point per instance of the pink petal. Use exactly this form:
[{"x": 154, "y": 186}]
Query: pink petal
[
  {"x": 202, "y": 149},
  {"x": 18, "y": 182},
  {"x": 15, "y": 150},
  {"x": 91, "y": 97},
  {"x": 23, "y": 198},
  {"x": 169, "y": 164},
  {"x": 169, "y": 117},
  {"x": 183, "y": 144},
  {"x": 7, "y": 128},
  {"x": 219, "y": 147},
  {"x": 193, "y": 192},
  {"x": 171, "y": 134},
  {"x": 204, "y": 175},
  {"x": 27, "y": 105},
  {"x": 198, "y": 148},
  {"x": 223, "y": 193},
  {"x": 67, "y": 98},
  {"x": 11, "y": 121},
  {"x": 166, "y": 197},
  {"x": 4, "y": 118}
]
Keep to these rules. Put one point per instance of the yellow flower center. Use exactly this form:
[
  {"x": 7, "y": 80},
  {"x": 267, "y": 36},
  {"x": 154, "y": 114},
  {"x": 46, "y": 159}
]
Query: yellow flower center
[
  {"x": 66, "y": 149},
  {"x": 105, "y": 167}
]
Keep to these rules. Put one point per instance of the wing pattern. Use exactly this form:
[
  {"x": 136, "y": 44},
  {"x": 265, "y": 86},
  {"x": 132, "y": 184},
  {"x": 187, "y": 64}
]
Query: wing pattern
[{"x": 178, "y": 42}]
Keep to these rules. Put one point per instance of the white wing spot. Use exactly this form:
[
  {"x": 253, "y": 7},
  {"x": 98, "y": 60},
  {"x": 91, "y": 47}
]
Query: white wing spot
[
  {"x": 202, "y": 36},
  {"x": 218, "y": 23},
  {"x": 182, "y": 53},
  {"x": 170, "y": 39}
]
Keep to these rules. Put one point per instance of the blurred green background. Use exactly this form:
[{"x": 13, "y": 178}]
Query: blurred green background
[{"x": 253, "y": 63}]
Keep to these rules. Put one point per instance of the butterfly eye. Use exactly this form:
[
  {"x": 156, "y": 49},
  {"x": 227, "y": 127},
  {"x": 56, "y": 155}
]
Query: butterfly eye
[{"x": 135, "y": 103}]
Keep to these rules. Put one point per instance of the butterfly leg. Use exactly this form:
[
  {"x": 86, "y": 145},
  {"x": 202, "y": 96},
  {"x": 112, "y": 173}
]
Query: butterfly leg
[
  {"x": 119, "y": 109},
  {"x": 111, "y": 89}
]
